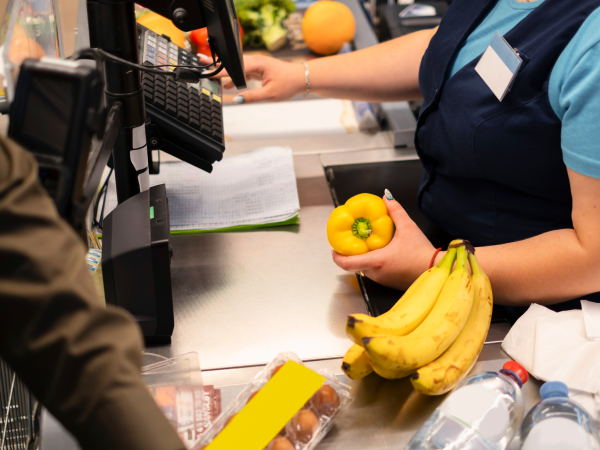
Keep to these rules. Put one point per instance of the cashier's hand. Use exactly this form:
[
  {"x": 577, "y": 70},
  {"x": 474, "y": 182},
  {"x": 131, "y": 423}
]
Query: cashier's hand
[
  {"x": 399, "y": 263},
  {"x": 280, "y": 80}
]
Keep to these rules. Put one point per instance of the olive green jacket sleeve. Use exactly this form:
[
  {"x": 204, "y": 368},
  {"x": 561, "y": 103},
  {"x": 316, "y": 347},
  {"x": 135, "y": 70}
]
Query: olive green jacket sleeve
[{"x": 80, "y": 359}]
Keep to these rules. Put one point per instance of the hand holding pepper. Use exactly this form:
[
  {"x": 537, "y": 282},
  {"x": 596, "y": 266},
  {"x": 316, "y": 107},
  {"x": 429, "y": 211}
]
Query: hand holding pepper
[{"x": 396, "y": 264}]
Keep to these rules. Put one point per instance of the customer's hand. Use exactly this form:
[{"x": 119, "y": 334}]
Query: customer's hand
[
  {"x": 281, "y": 80},
  {"x": 399, "y": 263}
]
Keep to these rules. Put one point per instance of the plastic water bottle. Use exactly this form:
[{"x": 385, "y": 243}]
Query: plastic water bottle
[
  {"x": 557, "y": 423},
  {"x": 483, "y": 413}
]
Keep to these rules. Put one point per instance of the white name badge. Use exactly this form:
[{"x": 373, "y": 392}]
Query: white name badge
[{"x": 498, "y": 66}]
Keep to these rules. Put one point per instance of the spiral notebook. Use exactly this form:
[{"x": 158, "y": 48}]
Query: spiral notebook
[{"x": 251, "y": 190}]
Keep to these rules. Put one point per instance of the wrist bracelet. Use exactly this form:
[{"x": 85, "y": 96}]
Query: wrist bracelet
[
  {"x": 306, "y": 79},
  {"x": 433, "y": 258}
]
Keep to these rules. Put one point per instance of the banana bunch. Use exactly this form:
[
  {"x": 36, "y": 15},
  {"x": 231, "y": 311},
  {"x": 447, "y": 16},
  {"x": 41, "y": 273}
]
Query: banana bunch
[{"x": 434, "y": 333}]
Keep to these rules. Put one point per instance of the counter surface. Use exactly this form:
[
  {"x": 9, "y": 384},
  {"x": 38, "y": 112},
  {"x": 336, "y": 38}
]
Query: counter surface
[
  {"x": 259, "y": 293},
  {"x": 385, "y": 414},
  {"x": 241, "y": 298}
]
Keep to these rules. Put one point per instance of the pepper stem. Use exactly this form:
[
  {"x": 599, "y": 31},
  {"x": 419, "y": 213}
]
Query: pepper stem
[{"x": 361, "y": 228}]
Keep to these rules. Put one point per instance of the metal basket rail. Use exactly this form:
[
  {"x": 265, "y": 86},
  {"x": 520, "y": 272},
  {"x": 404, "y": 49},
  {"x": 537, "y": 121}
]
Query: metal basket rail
[{"x": 18, "y": 409}]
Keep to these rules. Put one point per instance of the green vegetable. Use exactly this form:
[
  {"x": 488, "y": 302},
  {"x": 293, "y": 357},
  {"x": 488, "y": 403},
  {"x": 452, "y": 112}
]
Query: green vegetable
[{"x": 262, "y": 21}]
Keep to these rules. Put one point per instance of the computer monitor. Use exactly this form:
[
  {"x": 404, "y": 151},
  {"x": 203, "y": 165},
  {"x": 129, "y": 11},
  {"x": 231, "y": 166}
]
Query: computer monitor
[{"x": 219, "y": 17}]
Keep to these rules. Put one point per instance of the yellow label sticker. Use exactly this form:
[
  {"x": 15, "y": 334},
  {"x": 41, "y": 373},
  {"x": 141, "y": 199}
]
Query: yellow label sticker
[
  {"x": 270, "y": 410},
  {"x": 217, "y": 98},
  {"x": 206, "y": 91}
]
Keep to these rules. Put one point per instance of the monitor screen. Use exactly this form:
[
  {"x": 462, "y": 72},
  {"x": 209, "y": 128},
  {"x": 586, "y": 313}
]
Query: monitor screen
[
  {"x": 47, "y": 114},
  {"x": 223, "y": 29}
]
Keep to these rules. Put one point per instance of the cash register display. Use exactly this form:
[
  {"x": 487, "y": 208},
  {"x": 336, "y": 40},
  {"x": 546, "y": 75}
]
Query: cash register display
[
  {"x": 47, "y": 115},
  {"x": 55, "y": 102},
  {"x": 213, "y": 87},
  {"x": 234, "y": 23},
  {"x": 224, "y": 31}
]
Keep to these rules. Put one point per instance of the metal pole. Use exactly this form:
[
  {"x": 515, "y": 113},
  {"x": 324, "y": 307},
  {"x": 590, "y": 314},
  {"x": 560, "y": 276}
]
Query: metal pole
[{"x": 112, "y": 28}]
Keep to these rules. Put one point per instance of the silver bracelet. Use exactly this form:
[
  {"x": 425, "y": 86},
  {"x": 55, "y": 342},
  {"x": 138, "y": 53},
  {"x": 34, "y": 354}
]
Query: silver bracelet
[{"x": 307, "y": 79}]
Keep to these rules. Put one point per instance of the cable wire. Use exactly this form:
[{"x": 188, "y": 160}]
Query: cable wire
[
  {"x": 96, "y": 53},
  {"x": 103, "y": 205},
  {"x": 214, "y": 72},
  {"x": 103, "y": 190}
]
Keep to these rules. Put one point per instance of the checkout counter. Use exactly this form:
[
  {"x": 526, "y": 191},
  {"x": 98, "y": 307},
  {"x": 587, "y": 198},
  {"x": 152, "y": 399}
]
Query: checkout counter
[
  {"x": 240, "y": 298},
  {"x": 277, "y": 289}
]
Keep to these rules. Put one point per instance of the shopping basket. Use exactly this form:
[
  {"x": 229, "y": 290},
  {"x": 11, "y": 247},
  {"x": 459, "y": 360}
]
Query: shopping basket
[{"x": 18, "y": 409}]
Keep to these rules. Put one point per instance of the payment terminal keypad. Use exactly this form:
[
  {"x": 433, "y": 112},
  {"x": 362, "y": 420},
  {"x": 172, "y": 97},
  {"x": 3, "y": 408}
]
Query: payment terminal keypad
[{"x": 195, "y": 108}]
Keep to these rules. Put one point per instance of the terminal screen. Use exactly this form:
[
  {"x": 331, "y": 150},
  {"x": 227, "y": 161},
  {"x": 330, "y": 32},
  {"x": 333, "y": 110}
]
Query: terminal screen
[{"x": 48, "y": 112}]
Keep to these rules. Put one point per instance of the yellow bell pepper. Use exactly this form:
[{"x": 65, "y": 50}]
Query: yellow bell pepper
[{"x": 359, "y": 226}]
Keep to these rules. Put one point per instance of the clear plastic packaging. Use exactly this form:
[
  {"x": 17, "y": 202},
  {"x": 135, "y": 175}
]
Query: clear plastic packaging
[
  {"x": 483, "y": 413},
  {"x": 30, "y": 30},
  {"x": 176, "y": 385},
  {"x": 331, "y": 399},
  {"x": 557, "y": 423}
]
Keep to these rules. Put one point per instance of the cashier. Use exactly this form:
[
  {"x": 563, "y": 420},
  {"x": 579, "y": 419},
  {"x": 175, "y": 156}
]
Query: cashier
[
  {"x": 519, "y": 178},
  {"x": 79, "y": 358}
]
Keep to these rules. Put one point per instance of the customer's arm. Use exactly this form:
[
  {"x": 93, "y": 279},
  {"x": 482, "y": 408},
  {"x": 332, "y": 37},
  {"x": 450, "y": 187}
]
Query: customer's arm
[
  {"x": 81, "y": 360},
  {"x": 382, "y": 73}
]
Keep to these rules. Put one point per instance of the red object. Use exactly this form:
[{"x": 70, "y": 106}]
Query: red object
[
  {"x": 517, "y": 368},
  {"x": 241, "y": 30},
  {"x": 199, "y": 39},
  {"x": 433, "y": 257}
]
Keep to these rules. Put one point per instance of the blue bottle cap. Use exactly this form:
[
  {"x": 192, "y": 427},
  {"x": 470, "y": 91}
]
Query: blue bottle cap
[{"x": 554, "y": 389}]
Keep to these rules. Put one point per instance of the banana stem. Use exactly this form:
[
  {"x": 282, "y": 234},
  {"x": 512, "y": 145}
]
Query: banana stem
[
  {"x": 460, "y": 243},
  {"x": 461, "y": 257},
  {"x": 448, "y": 259},
  {"x": 475, "y": 267}
]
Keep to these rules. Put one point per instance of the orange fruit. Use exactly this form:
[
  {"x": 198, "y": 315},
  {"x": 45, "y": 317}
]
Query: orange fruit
[{"x": 326, "y": 26}]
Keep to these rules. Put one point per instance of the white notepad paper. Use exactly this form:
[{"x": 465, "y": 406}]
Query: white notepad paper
[{"x": 246, "y": 191}]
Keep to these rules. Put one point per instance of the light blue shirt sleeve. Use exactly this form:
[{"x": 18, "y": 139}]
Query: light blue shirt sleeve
[{"x": 574, "y": 93}]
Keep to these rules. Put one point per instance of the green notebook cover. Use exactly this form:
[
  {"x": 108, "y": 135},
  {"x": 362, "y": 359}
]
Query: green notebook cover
[
  {"x": 291, "y": 221},
  {"x": 295, "y": 220}
]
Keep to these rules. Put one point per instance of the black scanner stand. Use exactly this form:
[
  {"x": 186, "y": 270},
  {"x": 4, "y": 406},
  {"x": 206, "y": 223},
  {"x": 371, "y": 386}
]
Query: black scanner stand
[
  {"x": 136, "y": 256},
  {"x": 136, "y": 251}
]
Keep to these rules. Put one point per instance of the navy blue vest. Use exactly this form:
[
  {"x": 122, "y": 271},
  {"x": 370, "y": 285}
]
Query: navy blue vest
[{"x": 493, "y": 171}]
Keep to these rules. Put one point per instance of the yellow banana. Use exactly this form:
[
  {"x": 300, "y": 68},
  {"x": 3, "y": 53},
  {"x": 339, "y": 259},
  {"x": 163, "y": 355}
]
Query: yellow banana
[
  {"x": 356, "y": 363},
  {"x": 437, "y": 332},
  {"x": 410, "y": 311},
  {"x": 390, "y": 374},
  {"x": 443, "y": 374}
]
